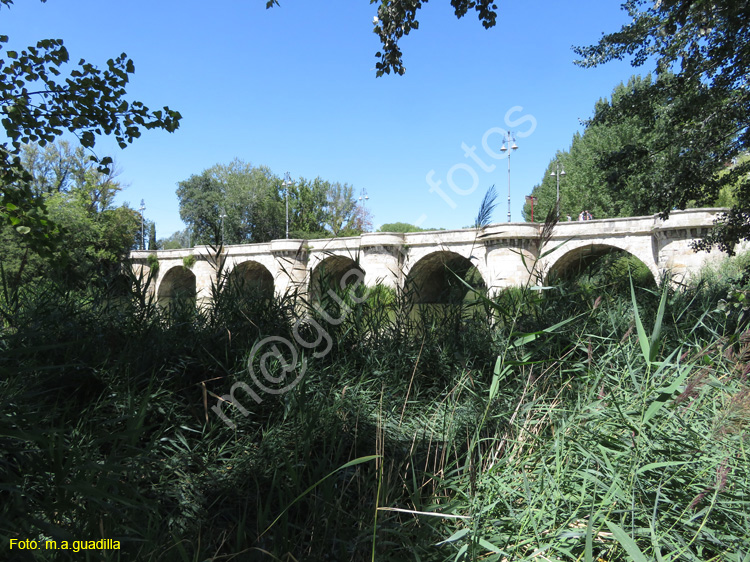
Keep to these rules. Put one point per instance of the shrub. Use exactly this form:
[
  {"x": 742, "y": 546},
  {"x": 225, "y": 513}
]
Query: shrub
[{"x": 153, "y": 263}]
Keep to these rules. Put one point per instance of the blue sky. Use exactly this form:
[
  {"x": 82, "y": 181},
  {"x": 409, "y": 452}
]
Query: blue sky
[{"x": 294, "y": 88}]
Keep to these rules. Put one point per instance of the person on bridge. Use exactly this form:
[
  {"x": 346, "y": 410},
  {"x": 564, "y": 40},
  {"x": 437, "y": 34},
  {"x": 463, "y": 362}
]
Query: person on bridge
[{"x": 585, "y": 216}]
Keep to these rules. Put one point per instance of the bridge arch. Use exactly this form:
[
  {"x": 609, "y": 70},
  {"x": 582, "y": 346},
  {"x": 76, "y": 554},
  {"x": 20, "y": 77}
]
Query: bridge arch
[
  {"x": 331, "y": 271},
  {"x": 177, "y": 283},
  {"x": 253, "y": 278},
  {"x": 578, "y": 259},
  {"x": 432, "y": 279}
]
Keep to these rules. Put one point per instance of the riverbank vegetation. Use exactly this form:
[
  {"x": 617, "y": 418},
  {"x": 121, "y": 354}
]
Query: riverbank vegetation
[{"x": 589, "y": 421}]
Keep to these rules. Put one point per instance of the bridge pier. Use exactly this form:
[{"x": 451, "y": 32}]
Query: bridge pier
[
  {"x": 511, "y": 263},
  {"x": 290, "y": 267},
  {"x": 382, "y": 258}
]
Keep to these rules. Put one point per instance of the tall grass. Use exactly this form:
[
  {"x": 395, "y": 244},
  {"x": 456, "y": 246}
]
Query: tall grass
[{"x": 574, "y": 423}]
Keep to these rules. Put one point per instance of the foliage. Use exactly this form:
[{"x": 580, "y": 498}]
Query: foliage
[
  {"x": 396, "y": 19},
  {"x": 176, "y": 240},
  {"x": 404, "y": 227},
  {"x": 612, "y": 271},
  {"x": 94, "y": 235},
  {"x": 705, "y": 125},
  {"x": 319, "y": 209},
  {"x": 253, "y": 203},
  {"x": 142, "y": 239},
  {"x": 57, "y": 167},
  {"x": 94, "y": 243},
  {"x": 555, "y": 428},
  {"x": 152, "y": 244},
  {"x": 626, "y": 164},
  {"x": 153, "y": 263},
  {"x": 400, "y": 227},
  {"x": 489, "y": 202},
  {"x": 40, "y": 102},
  {"x": 227, "y": 200},
  {"x": 362, "y": 219},
  {"x": 341, "y": 210},
  {"x": 307, "y": 208}
]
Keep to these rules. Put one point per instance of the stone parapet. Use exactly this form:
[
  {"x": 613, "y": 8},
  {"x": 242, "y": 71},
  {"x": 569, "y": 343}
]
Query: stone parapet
[
  {"x": 370, "y": 239},
  {"x": 287, "y": 246}
]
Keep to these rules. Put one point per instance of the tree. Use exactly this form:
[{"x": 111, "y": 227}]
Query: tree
[
  {"x": 397, "y": 18},
  {"x": 57, "y": 168},
  {"x": 307, "y": 208},
  {"x": 247, "y": 204},
  {"x": 240, "y": 202},
  {"x": 399, "y": 227},
  {"x": 93, "y": 244},
  {"x": 624, "y": 163},
  {"x": 39, "y": 102},
  {"x": 201, "y": 200},
  {"x": 319, "y": 208},
  {"x": 405, "y": 227},
  {"x": 94, "y": 236},
  {"x": 705, "y": 44},
  {"x": 152, "y": 245},
  {"x": 341, "y": 210},
  {"x": 176, "y": 240},
  {"x": 142, "y": 239},
  {"x": 253, "y": 203},
  {"x": 362, "y": 221}
]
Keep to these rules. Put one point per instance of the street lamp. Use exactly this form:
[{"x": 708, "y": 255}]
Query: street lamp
[
  {"x": 222, "y": 216},
  {"x": 531, "y": 199},
  {"x": 509, "y": 138},
  {"x": 559, "y": 171},
  {"x": 143, "y": 239},
  {"x": 363, "y": 203},
  {"x": 285, "y": 185}
]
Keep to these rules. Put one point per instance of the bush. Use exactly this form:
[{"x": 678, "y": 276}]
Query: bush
[{"x": 188, "y": 261}]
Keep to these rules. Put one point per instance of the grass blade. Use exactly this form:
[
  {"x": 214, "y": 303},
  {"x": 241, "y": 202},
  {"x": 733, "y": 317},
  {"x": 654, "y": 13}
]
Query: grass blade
[{"x": 627, "y": 542}]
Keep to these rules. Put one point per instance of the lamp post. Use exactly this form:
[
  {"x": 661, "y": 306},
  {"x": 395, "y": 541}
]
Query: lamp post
[
  {"x": 222, "y": 216},
  {"x": 143, "y": 238},
  {"x": 559, "y": 171},
  {"x": 285, "y": 185},
  {"x": 507, "y": 146},
  {"x": 363, "y": 199},
  {"x": 531, "y": 199}
]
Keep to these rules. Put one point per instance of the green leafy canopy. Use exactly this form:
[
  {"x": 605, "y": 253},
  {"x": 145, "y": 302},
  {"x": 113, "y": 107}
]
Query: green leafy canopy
[
  {"x": 40, "y": 101},
  {"x": 699, "y": 49},
  {"x": 238, "y": 203}
]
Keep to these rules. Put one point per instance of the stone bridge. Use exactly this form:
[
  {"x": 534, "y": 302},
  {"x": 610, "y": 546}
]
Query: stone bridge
[{"x": 495, "y": 257}]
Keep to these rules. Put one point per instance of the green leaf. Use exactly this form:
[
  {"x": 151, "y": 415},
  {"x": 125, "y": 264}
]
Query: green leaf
[
  {"x": 664, "y": 395},
  {"x": 526, "y": 338},
  {"x": 326, "y": 477},
  {"x": 642, "y": 337},
  {"x": 656, "y": 332},
  {"x": 23, "y": 229},
  {"x": 461, "y": 533},
  {"x": 655, "y": 465},
  {"x": 488, "y": 545},
  {"x": 588, "y": 552},
  {"x": 461, "y": 552},
  {"x": 626, "y": 541}
]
